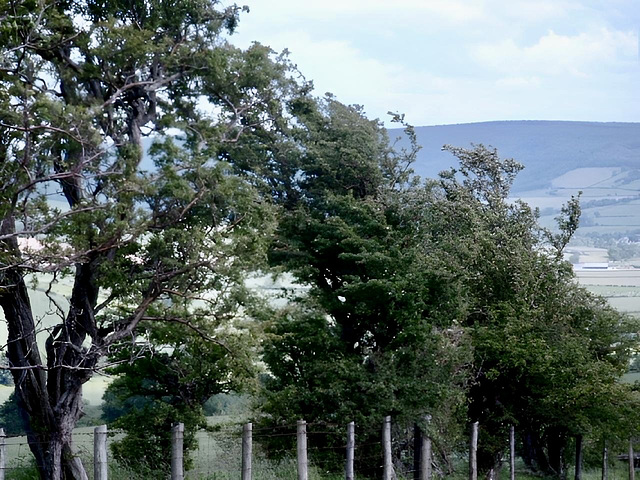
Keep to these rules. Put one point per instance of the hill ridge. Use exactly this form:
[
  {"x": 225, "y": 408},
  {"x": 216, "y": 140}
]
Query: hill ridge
[{"x": 546, "y": 148}]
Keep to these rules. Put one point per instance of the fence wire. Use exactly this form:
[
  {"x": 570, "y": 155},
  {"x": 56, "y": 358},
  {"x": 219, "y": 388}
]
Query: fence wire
[{"x": 219, "y": 454}]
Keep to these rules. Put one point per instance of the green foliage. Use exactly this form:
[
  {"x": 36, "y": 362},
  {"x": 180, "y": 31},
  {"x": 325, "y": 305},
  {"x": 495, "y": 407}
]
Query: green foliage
[
  {"x": 11, "y": 418},
  {"x": 147, "y": 446},
  {"x": 424, "y": 294},
  {"x": 171, "y": 243},
  {"x": 547, "y": 354},
  {"x": 438, "y": 297},
  {"x": 26, "y": 472},
  {"x": 92, "y": 415},
  {"x": 370, "y": 338},
  {"x": 227, "y": 404},
  {"x": 170, "y": 383}
]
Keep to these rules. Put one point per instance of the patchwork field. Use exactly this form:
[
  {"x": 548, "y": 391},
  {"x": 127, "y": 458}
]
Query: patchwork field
[
  {"x": 609, "y": 199},
  {"x": 620, "y": 287}
]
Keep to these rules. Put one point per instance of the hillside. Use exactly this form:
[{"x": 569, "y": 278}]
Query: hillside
[{"x": 548, "y": 149}]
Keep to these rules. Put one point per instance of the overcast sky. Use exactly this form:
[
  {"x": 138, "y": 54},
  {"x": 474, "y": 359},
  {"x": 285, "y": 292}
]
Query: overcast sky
[{"x": 459, "y": 61}]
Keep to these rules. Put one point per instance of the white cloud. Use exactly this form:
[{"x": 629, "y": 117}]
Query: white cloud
[
  {"x": 533, "y": 10},
  {"x": 553, "y": 54},
  {"x": 340, "y": 68},
  {"x": 325, "y": 61},
  {"x": 518, "y": 82},
  {"x": 527, "y": 82},
  {"x": 451, "y": 10},
  {"x": 451, "y": 61}
]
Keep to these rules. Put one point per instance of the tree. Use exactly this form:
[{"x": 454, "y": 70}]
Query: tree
[
  {"x": 170, "y": 383},
  {"x": 11, "y": 417},
  {"x": 376, "y": 333},
  {"x": 404, "y": 272},
  {"x": 547, "y": 354},
  {"x": 82, "y": 83}
]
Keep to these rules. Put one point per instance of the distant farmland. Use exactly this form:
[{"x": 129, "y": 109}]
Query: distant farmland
[{"x": 620, "y": 287}]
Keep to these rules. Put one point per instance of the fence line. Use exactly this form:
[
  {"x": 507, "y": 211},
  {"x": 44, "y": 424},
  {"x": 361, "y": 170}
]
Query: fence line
[{"x": 422, "y": 467}]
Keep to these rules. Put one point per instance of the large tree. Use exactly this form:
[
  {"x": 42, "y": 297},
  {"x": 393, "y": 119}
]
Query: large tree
[
  {"x": 376, "y": 332},
  {"x": 82, "y": 83},
  {"x": 410, "y": 279},
  {"x": 547, "y": 354}
]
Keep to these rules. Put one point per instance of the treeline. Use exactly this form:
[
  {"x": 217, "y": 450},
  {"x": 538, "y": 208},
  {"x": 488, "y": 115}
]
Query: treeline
[
  {"x": 437, "y": 297},
  {"x": 421, "y": 296}
]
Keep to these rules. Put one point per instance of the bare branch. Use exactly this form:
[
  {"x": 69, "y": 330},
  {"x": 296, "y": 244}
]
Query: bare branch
[
  {"x": 46, "y": 227},
  {"x": 150, "y": 85},
  {"x": 60, "y": 310},
  {"x": 190, "y": 325},
  {"x": 41, "y": 127}
]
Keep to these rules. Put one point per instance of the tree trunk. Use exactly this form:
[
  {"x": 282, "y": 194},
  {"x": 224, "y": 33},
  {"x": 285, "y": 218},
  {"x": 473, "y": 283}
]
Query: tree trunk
[
  {"x": 49, "y": 398},
  {"x": 578, "y": 473},
  {"x": 51, "y": 409},
  {"x": 556, "y": 444},
  {"x": 533, "y": 454}
]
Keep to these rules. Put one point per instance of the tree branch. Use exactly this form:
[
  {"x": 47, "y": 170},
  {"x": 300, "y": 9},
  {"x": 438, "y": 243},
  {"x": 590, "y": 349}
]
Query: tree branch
[{"x": 190, "y": 325}]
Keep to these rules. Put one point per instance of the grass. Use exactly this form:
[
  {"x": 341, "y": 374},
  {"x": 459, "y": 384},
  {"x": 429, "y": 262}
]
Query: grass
[{"x": 613, "y": 291}]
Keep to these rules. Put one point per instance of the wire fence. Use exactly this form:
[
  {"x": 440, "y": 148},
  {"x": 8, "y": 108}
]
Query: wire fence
[
  {"x": 275, "y": 453},
  {"x": 283, "y": 452}
]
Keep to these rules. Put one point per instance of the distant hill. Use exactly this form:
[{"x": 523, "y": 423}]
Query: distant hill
[
  {"x": 561, "y": 158},
  {"x": 547, "y": 149}
]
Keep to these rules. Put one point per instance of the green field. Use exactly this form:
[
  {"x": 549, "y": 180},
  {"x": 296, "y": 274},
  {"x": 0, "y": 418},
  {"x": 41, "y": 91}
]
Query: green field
[
  {"x": 621, "y": 288},
  {"x": 610, "y": 202}
]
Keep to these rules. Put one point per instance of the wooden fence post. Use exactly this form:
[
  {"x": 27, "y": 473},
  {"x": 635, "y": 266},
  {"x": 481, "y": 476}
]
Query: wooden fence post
[
  {"x": 512, "y": 452},
  {"x": 303, "y": 465},
  {"x": 417, "y": 450},
  {"x": 473, "y": 452},
  {"x": 247, "y": 448},
  {"x": 177, "y": 453},
  {"x": 578, "y": 471},
  {"x": 605, "y": 461},
  {"x": 3, "y": 453},
  {"x": 351, "y": 445},
  {"x": 387, "y": 471},
  {"x": 425, "y": 453},
  {"x": 100, "y": 465},
  {"x": 632, "y": 463}
]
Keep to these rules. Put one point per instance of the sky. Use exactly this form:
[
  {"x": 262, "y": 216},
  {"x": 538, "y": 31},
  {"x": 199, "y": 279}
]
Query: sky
[{"x": 461, "y": 61}]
